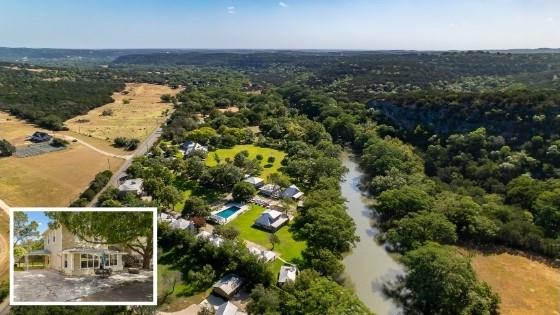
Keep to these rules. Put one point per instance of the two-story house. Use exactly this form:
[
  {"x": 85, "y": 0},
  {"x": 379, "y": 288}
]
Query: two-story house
[{"x": 67, "y": 253}]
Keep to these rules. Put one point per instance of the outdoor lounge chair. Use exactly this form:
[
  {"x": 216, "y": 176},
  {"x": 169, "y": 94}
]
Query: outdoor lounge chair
[{"x": 103, "y": 273}]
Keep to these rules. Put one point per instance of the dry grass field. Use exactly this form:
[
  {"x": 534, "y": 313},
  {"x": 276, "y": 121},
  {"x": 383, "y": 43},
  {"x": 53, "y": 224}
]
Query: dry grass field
[
  {"x": 525, "y": 286},
  {"x": 15, "y": 130},
  {"x": 137, "y": 119},
  {"x": 52, "y": 179},
  {"x": 4, "y": 236}
]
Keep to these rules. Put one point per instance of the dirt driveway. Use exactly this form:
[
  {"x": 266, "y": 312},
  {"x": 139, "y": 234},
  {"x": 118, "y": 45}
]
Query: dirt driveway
[{"x": 50, "y": 286}]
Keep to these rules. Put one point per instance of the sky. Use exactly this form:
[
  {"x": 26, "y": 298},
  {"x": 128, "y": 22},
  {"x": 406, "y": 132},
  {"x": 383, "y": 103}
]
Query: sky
[
  {"x": 287, "y": 24},
  {"x": 41, "y": 219}
]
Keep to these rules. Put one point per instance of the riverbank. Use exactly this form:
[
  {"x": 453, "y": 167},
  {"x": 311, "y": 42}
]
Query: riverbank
[{"x": 368, "y": 266}]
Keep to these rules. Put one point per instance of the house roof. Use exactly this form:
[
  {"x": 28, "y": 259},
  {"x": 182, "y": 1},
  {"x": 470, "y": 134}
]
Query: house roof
[
  {"x": 214, "y": 239},
  {"x": 227, "y": 308},
  {"x": 40, "y": 252},
  {"x": 269, "y": 187},
  {"x": 274, "y": 214},
  {"x": 271, "y": 218},
  {"x": 181, "y": 224},
  {"x": 287, "y": 273},
  {"x": 229, "y": 283},
  {"x": 292, "y": 191},
  {"x": 131, "y": 184},
  {"x": 254, "y": 180},
  {"x": 90, "y": 250}
]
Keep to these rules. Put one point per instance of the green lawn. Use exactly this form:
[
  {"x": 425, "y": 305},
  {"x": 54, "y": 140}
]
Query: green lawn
[
  {"x": 253, "y": 151},
  {"x": 289, "y": 249},
  {"x": 183, "y": 294},
  {"x": 191, "y": 188}
]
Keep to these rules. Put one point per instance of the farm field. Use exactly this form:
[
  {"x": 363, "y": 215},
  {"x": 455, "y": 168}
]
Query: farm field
[
  {"x": 288, "y": 248},
  {"x": 144, "y": 113},
  {"x": 52, "y": 179},
  {"x": 525, "y": 286},
  {"x": 253, "y": 150}
]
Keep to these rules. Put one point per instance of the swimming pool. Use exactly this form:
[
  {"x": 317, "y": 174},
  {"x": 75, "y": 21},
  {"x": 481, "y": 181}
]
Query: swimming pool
[{"x": 226, "y": 213}]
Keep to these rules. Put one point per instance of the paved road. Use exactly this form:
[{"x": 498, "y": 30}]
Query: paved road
[{"x": 142, "y": 149}]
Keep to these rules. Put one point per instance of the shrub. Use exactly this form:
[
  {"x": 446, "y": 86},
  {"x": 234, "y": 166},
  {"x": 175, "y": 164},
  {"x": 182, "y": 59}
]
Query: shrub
[
  {"x": 271, "y": 159},
  {"x": 6, "y": 148},
  {"x": 107, "y": 112},
  {"x": 58, "y": 142}
]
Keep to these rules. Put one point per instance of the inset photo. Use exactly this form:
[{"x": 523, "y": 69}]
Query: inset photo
[{"x": 83, "y": 256}]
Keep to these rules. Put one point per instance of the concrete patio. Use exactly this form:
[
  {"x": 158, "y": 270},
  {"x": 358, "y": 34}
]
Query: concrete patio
[{"x": 49, "y": 286}]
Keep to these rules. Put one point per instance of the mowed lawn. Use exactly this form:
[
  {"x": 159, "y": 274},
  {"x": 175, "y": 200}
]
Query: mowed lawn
[
  {"x": 288, "y": 248},
  {"x": 525, "y": 286},
  {"x": 253, "y": 150},
  {"x": 178, "y": 299}
]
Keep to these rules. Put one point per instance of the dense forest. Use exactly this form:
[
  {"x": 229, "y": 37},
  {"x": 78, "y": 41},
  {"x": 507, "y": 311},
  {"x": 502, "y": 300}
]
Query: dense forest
[{"x": 49, "y": 97}]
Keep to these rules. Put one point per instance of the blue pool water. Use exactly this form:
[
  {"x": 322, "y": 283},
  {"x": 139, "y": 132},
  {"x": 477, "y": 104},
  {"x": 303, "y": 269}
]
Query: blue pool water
[{"x": 226, "y": 213}]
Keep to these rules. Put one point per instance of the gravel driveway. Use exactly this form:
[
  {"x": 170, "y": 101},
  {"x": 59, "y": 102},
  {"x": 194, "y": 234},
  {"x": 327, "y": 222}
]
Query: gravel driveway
[{"x": 50, "y": 286}]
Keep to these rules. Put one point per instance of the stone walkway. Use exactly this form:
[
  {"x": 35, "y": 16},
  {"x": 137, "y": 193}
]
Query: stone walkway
[{"x": 50, "y": 286}]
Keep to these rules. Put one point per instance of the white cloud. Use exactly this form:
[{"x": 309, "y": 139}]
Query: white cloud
[
  {"x": 282, "y": 4},
  {"x": 231, "y": 10},
  {"x": 550, "y": 19}
]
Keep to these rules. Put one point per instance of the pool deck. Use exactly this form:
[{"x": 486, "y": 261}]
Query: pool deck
[{"x": 220, "y": 220}]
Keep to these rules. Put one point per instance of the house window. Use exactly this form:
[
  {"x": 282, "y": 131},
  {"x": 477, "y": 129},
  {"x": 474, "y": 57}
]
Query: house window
[
  {"x": 65, "y": 260},
  {"x": 113, "y": 260},
  {"x": 89, "y": 261},
  {"x": 54, "y": 238},
  {"x": 84, "y": 261}
]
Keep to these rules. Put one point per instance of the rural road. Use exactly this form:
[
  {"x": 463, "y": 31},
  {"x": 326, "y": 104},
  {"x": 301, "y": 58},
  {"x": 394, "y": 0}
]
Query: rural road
[
  {"x": 70, "y": 138},
  {"x": 143, "y": 148}
]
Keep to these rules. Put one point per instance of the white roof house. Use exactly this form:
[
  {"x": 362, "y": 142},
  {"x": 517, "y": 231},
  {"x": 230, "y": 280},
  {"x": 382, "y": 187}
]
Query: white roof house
[
  {"x": 264, "y": 255},
  {"x": 214, "y": 239},
  {"x": 190, "y": 147},
  {"x": 135, "y": 186},
  {"x": 227, "y": 308},
  {"x": 269, "y": 190},
  {"x": 182, "y": 224},
  {"x": 228, "y": 286},
  {"x": 164, "y": 217},
  {"x": 292, "y": 192},
  {"x": 255, "y": 181},
  {"x": 271, "y": 220},
  {"x": 287, "y": 273}
]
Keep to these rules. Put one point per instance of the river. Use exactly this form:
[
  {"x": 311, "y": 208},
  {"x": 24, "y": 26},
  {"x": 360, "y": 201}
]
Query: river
[{"x": 369, "y": 265}]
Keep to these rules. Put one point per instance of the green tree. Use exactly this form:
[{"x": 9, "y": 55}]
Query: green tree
[
  {"x": 19, "y": 252},
  {"x": 115, "y": 227},
  {"x": 243, "y": 191},
  {"x": 169, "y": 196},
  {"x": 195, "y": 206},
  {"x": 273, "y": 239},
  {"x": 263, "y": 301},
  {"x": 418, "y": 228},
  {"x": 547, "y": 208},
  {"x": 395, "y": 204},
  {"x": 226, "y": 231},
  {"x": 23, "y": 229},
  {"x": 6, "y": 148},
  {"x": 440, "y": 280}
]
